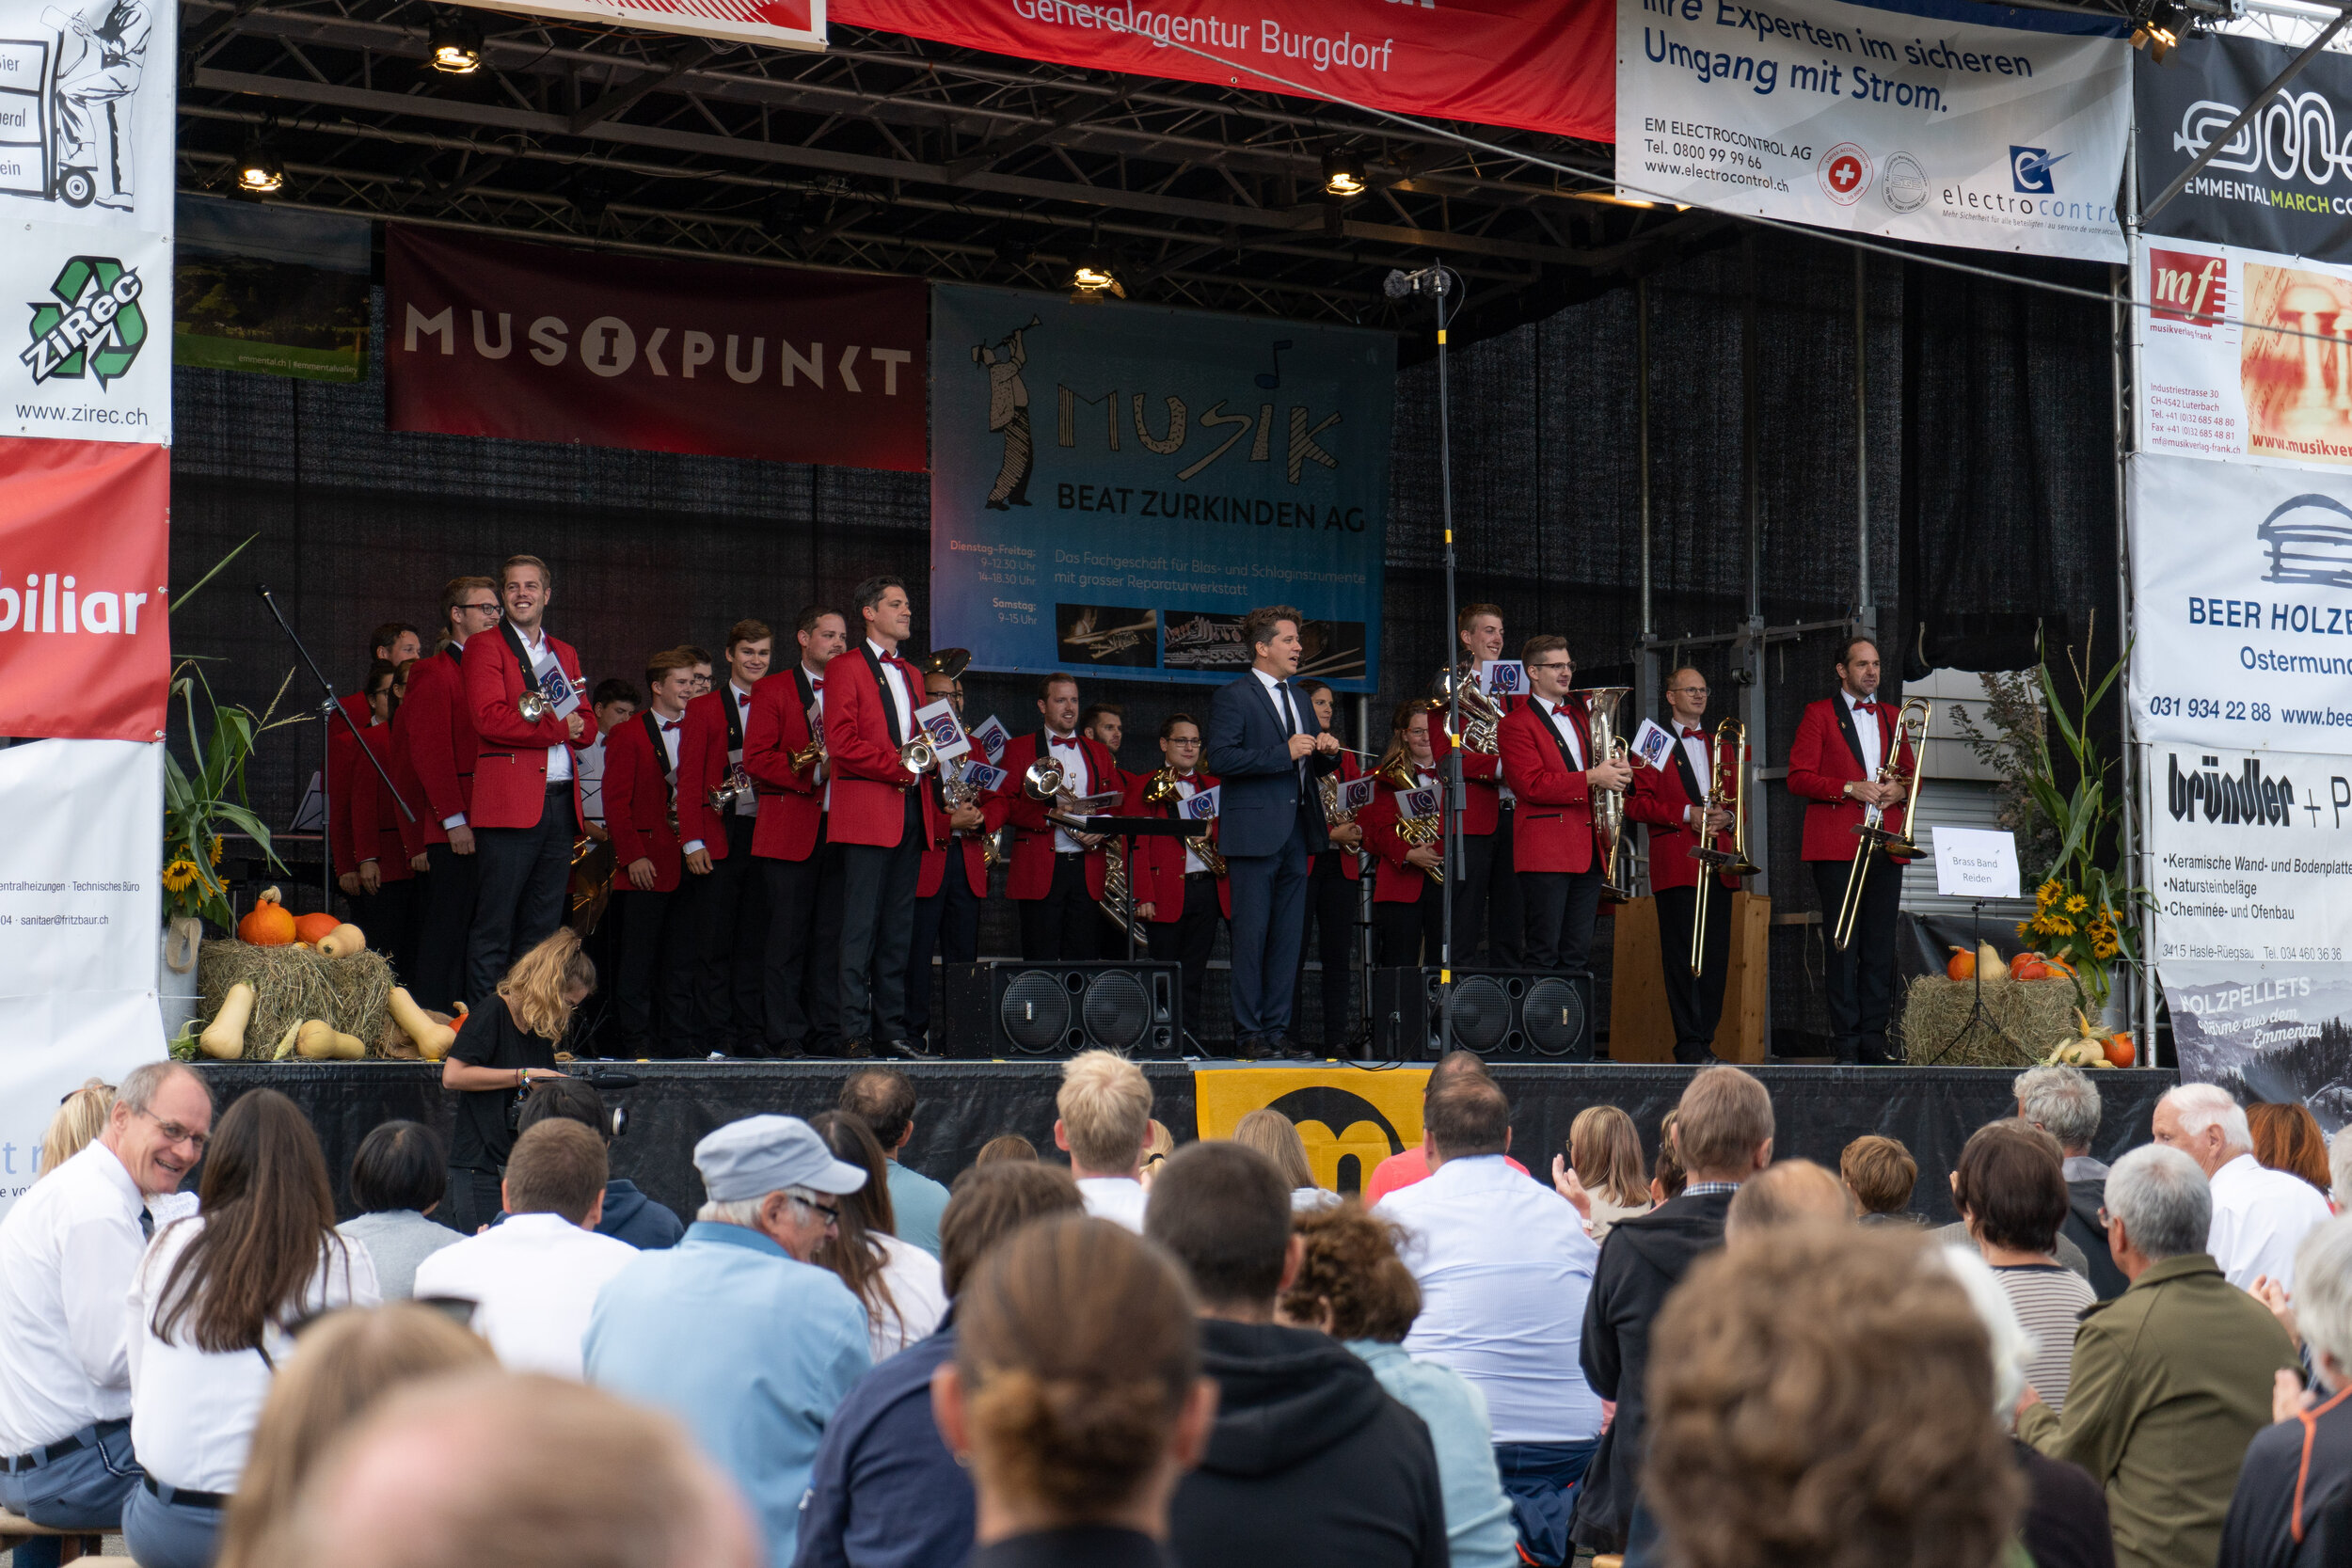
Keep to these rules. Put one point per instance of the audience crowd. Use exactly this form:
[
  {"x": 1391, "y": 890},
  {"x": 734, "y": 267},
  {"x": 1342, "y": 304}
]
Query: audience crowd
[{"x": 1708, "y": 1356}]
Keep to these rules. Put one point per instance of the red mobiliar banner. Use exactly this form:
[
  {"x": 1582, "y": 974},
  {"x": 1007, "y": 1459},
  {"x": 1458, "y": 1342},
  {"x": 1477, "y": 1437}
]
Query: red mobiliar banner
[
  {"x": 85, "y": 553},
  {"x": 487, "y": 337},
  {"x": 1539, "y": 65}
]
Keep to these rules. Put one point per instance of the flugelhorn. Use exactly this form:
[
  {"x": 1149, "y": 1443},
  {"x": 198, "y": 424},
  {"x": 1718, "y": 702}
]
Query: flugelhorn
[
  {"x": 1911, "y": 730},
  {"x": 1726, "y": 790},
  {"x": 735, "y": 786},
  {"x": 1600, "y": 725}
]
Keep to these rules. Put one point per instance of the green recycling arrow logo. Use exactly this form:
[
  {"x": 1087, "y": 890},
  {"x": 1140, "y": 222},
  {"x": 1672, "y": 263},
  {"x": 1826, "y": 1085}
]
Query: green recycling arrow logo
[{"x": 96, "y": 323}]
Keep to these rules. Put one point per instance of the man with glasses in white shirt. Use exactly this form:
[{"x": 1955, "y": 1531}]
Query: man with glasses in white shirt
[{"x": 68, "y": 1251}]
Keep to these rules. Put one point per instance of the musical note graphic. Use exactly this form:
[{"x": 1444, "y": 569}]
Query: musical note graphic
[{"x": 1270, "y": 382}]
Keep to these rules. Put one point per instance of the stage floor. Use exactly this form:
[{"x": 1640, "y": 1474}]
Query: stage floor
[{"x": 964, "y": 1103}]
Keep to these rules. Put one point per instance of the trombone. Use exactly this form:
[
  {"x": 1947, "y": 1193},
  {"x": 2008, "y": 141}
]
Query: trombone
[
  {"x": 1911, "y": 730},
  {"x": 1726, "y": 790}
]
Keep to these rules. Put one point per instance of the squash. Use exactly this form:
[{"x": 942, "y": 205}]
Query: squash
[
  {"x": 269, "y": 924},
  {"x": 223, "y": 1040},
  {"x": 320, "y": 1041},
  {"x": 286, "y": 1041},
  {"x": 1962, "y": 965},
  {"x": 310, "y": 929},
  {"x": 2120, "y": 1050},
  {"x": 2029, "y": 966},
  {"x": 432, "y": 1040},
  {"x": 1990, "y": 963},
  {"x": 342, "y": 941}
]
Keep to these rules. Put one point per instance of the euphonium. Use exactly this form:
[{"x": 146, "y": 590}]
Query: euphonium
[
  {"x": 1910, "y": 730},
  {"x": 1481, "y": 720},
  {"x": 1600, "y": 708},
  {"x": 1114, "y": 900}
]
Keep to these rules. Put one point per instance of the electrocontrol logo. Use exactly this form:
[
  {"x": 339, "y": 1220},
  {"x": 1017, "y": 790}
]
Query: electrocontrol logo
[
  {"x": 94, "y": 324},
  {"x": 2029, "y": 170}
]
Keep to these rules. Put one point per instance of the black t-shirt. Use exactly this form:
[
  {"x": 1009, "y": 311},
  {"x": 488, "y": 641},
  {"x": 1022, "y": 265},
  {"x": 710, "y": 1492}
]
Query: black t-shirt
[{"x": 491, "y": 1039}]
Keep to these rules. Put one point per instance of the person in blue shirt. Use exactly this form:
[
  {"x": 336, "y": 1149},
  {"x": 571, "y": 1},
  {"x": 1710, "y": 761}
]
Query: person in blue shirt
[
  {"x": 885, "y": 1492},
  {"x": 885, "y": 1098},
  {"x": 629, "y": 1215},
  {"x": 734, "y": 1331}
]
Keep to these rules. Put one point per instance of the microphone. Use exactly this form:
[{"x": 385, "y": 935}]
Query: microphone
[{"x": 1408, "y": 285}]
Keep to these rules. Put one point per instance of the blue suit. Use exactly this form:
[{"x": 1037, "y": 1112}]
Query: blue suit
[{"x": 1268, "y": 823}]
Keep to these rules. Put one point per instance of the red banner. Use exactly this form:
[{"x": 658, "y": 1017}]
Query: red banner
[
  {"x": 85, "y": 553},
  {"x": 485, "y": 336},
  {"x": 1540, "y": 65}
]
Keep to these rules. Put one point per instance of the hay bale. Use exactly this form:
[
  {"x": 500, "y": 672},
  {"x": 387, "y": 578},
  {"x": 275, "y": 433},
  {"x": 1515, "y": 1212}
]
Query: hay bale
[
  {"x": 2038, "y": 1015},
  {"x": 293, "y": 983}
]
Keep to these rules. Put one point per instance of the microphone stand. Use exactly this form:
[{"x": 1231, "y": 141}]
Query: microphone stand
[
  {"x": 327, "y": 711},
  {"x": 1455, "y": 790}
]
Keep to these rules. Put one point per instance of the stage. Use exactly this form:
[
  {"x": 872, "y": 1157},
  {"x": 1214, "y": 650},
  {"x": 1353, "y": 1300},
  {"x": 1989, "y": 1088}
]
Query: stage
[{"x": 670, "y": 1105}]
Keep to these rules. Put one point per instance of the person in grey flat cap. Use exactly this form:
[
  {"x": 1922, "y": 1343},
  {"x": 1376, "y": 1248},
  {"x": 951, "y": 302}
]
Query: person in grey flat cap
[{"x": 734, "y": 1331}]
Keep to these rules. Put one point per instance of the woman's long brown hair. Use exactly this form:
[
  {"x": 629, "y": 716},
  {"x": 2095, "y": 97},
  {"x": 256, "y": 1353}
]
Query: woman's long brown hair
[
  {"x": 268, "y": 1221},
  {"x": 533, "y": 988},
  {"x": 852, "y": 1251}
]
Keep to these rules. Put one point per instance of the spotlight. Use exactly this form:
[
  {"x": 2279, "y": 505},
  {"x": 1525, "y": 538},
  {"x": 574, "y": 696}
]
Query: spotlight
[
  {"x": 1343, "y": 174},
  {"x": 455, "y": 48},
  {"x": 259, "y": 173},
  {"x": 2160, "y": 30},
  {"x": 1094, "y": 273}
]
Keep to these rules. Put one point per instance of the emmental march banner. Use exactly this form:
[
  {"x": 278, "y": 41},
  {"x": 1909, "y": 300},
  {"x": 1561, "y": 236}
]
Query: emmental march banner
[
  {"x": 1983, "y": 126},
  {"x": 1114, "y": 486}
]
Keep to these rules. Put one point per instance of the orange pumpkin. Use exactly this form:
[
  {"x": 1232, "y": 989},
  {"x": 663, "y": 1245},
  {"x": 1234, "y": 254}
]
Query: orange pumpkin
[
  {"x": 269, "y": 925},
  {"x": 2120, "y": 1051},
  {"x": 2029, "y": 966},
  {"x": 314, "y": 928},
  {"x": 1962, "y": 965}
]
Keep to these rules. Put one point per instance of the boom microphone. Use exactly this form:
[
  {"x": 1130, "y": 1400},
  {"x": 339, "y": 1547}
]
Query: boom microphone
[{"x": 1407, "y": 285}]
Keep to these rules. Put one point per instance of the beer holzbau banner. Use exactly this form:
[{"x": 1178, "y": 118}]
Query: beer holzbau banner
[
  {"x": 1957, "y": 124},
  {"x": 487, "y": 337},
  {"x": 2282, "y": 184},
  {"x": 1540, "y": 65}
]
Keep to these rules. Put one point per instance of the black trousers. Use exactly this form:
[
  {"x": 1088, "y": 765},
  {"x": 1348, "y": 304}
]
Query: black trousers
[
  {"x": 1406, "y": 935},
  {"x": 1506, "y": 926},
  {"x": 1469, "y": 895},
  {"x": 443, "y": 923},
  {"x": 1696, "y": 1005},
  {"x": 1560, "y": 909},
  {"x": 730, "y": 918},
  {"x": 653, "y": 989},
  {"x": 472, "y": 1200},
  {"x": 946, "y": 924},
  {"x": 1859, "y": 983},
  {"x": 1066, "y": 923},
  {"x": 525, "y": 873},
  {"x": 1189, "y": 938},
  {"x": 877, "y": 930},
  {"x": 388, "y": 916},
  {"x": 1332, "y": 904},
  {"x": 802, "y": 977}
]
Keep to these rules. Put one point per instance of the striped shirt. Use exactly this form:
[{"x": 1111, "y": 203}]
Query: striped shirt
[{"x": 2049, "y": 1299}]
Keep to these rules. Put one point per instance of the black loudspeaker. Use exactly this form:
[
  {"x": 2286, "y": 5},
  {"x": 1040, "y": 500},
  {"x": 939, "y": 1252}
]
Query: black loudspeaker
[
  {"x": 1015, "y": 1009},
  {"x": 1505, "y": 1015}
]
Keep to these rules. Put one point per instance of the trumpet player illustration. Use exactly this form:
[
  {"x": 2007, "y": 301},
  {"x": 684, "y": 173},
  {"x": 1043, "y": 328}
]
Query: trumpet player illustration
[{"x": 1008, "y": 412}]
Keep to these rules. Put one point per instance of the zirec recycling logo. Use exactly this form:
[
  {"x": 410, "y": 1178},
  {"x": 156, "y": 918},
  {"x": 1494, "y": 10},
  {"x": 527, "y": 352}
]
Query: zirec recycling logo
[{"x": 95, "y": 325}]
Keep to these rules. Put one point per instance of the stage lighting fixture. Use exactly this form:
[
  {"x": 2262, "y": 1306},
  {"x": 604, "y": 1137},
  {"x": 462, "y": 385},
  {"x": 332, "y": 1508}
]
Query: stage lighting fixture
[
  {"x": 258, "y": 172},
  {"x": 1343, "y": 174},
  {"x": 455, "y": 48},
  {"x": 2161, "y": 29},
  {"x": 1094, "y": 274}
]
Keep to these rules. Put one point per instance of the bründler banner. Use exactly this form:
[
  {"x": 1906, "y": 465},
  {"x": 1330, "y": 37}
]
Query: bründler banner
[
  {"x": 2283, "y": 184},
  {"x": 485, "y": 336},
  {"x": 1957, "y": 124}
]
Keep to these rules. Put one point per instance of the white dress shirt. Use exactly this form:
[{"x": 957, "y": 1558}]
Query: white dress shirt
[
  {"x": 817, "y": 723},
  {"x": 895, "y": 683},
  {"x": 2260, "y": 1216},
  {"x": 543, "y": 659},
  {"x": 1568, "y": 727},
  {"x": 68, "y": 1250},
  {"x": 748, "y": 805},
  {"x": 1702, "y": 769},
  {"x": 1120, "y": 1198},
  {"x": 1186, "y": 787},
  {"x": 917, "y": 1290},
  {"x": 1076, "y": 776},
  {"x": 1865, "y": 727},
  {"x": 1286, "y": 708},
  {"x": 193, "y": 1412},
  {"x": 536, "y": 1280},
  {"x": 1504, "y": 1266}
]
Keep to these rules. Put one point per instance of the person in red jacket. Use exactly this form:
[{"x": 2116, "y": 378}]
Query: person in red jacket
[
  {"x": 1490, "y": 897},
  {"x": 1056, "y": 881},
  {"x": 1834, "y": 764},
  {"x": 1178, "y": 897},
  {"x": 802, "y": 966},
  {"x": 953, "y": 886},
  {"x": 1672, "y": 802},
  {"x": 1408, "y": 905},
  {"x": 526, "y": 792},
  {"x": 1333, "y": 900},
  {"x": 1547, "y": 749},
  {"x": 653, "y": 989},
  {"x": 882, "y": 817},
  {"x": 728, "y": 896},
  {"x": 343, "y": 756},
  {"x": 382, "y": 882},
  {"x": 432, "y": 735},
  {"x": 394, "y": 642}
]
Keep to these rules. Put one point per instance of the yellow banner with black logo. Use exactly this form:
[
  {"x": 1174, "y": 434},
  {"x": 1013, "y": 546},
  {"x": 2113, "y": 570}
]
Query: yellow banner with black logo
[{"x": 1351, "y": 1118}]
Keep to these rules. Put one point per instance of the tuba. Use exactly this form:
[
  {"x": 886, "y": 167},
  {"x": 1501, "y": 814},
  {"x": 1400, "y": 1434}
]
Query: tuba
[
  {"x": 1601, "y": 709},
  {"x": 1415, "y": 832},
  {"x": 1481, "y": 720},
  {"x": 1872, "y": 833}
]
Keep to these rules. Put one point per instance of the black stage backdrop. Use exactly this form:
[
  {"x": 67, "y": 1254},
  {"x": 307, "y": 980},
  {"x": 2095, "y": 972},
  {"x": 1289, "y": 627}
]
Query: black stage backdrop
[
  {"x": 963, "y": 1104},
  {"x": 1989, "y": 453}
]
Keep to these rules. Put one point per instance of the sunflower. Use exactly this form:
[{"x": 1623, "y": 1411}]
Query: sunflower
[
  {"x": 215, "y": 855},
  {"x": 2105, "y": 949},
  {"x": 2060, "y": 926},
  {"x": 2024, "y": 930},
  {"x": 2078, "y": 904},
  {"x": 2049, "y": 892},
  {"x": 180, "y": 875}
]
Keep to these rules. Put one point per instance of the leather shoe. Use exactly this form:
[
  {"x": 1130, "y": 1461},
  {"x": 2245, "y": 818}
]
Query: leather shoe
[
  {"x": 1290, "y": 1050},
  {"x": 1251, "y": 1048},
  {"x": 906, "y": 1051},
  {"x": 853, "y": 1051}
]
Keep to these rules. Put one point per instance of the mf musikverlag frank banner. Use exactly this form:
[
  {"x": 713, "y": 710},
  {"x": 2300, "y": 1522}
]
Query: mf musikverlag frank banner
[
  {"x": 2282, "y": 184},
  {"x": 1983, "y": 126}
]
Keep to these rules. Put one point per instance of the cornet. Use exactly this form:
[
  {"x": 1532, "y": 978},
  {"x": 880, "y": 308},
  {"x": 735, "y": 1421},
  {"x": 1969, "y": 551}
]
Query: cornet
[
  {"x": 917, "y": 757},
  {"x": 737, "y": 786},
  {"x": 532, "y": 703},
  {"x": 1911, "y": 730}
]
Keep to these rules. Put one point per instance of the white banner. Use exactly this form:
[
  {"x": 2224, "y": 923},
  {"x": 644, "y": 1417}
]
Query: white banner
[
  {"x": 88, "y": 339},
  {"x": 85, "y": 115},
  {"x": 2241, "y": 605},
  {"x": 2276, "y": 1032},
  {"x": 1945, "y": 123},
  {"x": 81, "y": 921},
  {"x": 2249, "y": 856}
]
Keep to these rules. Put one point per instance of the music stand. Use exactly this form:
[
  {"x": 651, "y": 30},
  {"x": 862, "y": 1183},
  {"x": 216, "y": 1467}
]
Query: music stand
[{"x": 1139, "y": 827}]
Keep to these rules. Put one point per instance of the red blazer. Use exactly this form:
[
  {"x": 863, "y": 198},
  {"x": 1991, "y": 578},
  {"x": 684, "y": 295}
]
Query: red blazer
[
  {"x": 1554, "y": 827},
  {"x": 868, "y": 786},
  {"x": 1824, "y": 757},
  {"x": 342, "y": 752},
  {"x": 1482, "y": 776},
  {"x": 432, "y": 735},
  {"x": 791, "y": 800},
  {"x": 935, "y": 864},
  {"x": 1395, "y": 881},
  {"x": 510, "y": 774},
  {"x": 1660, "y": 798},
  {"x": 1032, "y": 872},
  {"x": 1155, "y": 866},
  {"x": 1351, "y": 864},
  {"x": 636, "y": 804},
  {"x": 379, "y": 832}
]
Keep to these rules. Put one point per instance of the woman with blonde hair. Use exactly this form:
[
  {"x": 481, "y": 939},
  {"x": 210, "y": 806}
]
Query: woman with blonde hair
[
  {"x": 1273, "y": 1136},
  {"x": 506, "y": 1045},
  {"x": 1158, "y": 1144},
  {"x": 81, "y": 1116},
  {"x": 1605, "y": 1151},
  {"x": 342, "y": 1364},
  {"x": 1075, "y": 1397}
]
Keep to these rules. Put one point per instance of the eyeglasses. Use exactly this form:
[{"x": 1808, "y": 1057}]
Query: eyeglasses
[
  {"x": 1689, "y": 691},
  {"x": 831, "y": 1210},
  {"x": 490, "y": 608},
  {"x": 175, "y": 1133},
  {"x": 1553, "y": 664}
]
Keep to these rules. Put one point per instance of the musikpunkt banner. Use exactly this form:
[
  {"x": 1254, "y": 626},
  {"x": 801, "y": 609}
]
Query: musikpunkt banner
[
  {"x": 81, "y": 917},
  {"x": 2283, "y": 184},
  {"x": 1117, "y": 485},
  {"x": 1957, "y": 124}
]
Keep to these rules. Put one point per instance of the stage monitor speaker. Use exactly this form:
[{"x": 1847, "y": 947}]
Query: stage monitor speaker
[
  {"x": 1019, "y": 1009},
  {"x": 1505, "y": 1015}
]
